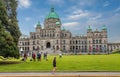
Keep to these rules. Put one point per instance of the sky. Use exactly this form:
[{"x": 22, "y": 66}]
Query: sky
[{"x": 75, "y": 15}]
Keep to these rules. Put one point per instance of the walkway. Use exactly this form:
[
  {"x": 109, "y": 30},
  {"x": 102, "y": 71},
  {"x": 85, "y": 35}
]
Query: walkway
[{"x": 62, "y": 74}]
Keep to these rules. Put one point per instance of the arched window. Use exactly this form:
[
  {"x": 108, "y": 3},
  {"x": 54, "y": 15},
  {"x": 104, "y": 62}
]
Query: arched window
[
  {"x": 76, "y": 42},
  {"x": 33, "y": 42},
  {"x": 96, "y": 41}
]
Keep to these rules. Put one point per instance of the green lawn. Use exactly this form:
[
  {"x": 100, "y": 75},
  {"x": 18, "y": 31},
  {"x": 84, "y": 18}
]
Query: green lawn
[{"x": 69, "y": 63}]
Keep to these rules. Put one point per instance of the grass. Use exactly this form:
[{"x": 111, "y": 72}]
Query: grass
[{"x": 68, "y": 63}]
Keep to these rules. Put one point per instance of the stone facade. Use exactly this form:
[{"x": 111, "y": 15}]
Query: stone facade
[{"x": 55, "y": 38}]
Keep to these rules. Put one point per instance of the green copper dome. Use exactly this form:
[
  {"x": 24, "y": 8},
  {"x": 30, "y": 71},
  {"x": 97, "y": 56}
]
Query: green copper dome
[
  {"x": 89, "y": 28},
  {"x": 52, "y": 14},
  {"x": 63, "y": 29},
  {"x": 38, "y": 24},
  {"x": 104, "y": 27}
]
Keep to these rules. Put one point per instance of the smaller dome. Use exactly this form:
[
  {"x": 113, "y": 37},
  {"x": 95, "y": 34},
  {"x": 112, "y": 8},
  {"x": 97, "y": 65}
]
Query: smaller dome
[
  {"x": 57, "y": 23},
  {"x": 38, "y": 24},
  {"x": 63, "y": 29},
  {"x": 89, "y": 28},
  {"x": 104, "y": 27}
]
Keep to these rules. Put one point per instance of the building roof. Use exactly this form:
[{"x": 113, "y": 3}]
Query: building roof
[
  {"x": 63, "y": 28},
  {"x": 52, "y": 14},
  {"x": 38, "y": 24},
  {"x": 104, "y": 27},
  {"x": 89, "y": 28}
]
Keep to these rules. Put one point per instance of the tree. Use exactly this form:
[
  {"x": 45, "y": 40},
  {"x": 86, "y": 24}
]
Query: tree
[
  {"x": 8, "y": 47},
  {"x": 11, "y": 6},
  {"x": 9, "y": 30}
]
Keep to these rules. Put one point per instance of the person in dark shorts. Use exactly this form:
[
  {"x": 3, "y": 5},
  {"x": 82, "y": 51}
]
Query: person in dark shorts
[{"x": 54, "y": 65}]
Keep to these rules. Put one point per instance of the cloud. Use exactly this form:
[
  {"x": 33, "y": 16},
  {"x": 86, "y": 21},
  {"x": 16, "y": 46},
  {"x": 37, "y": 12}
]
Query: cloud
[
  {"x": 71, "y": 24},
  {"x": 106, "y": 4},
  {"x": 24, "y": 3},
  {"x": 87, "y": 2},
  {"x": 27, "y": 18},
  {"x": 77, "y": 14},
  {"x": 96, "y": 17},
  {"x": 117, "y": 10},
  {"x": 54, "y": 2}
]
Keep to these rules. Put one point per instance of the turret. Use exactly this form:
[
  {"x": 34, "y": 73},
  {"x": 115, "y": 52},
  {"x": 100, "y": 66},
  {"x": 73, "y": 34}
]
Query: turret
[
  {"x": 89, "y": 29},
  {"x": 104, "y": 28},
  {"x": 38, "y": 27},
  {"x": 104, "y": 31}
]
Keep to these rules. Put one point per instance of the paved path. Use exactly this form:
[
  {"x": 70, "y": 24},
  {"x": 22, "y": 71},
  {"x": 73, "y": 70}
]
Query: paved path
[{"x": 63, "y": 74}]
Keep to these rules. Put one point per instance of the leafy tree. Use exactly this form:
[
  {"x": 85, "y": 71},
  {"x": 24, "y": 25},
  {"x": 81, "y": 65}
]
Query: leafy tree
[
  {"x": 11, "y": 6},
  {"x": 9, "y": 30},
  {"x": 8, "y": 47}
]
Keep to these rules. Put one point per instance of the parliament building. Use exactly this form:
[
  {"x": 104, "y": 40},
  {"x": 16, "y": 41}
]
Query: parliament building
[{"x": 53, "y": 37}]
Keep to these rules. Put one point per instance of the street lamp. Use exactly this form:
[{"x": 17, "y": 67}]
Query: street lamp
[{"x": 21, "y": 51}]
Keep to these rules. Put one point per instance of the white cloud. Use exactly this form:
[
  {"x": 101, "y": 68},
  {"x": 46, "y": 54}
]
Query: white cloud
[
  {"x": 96, "y": 17},
  {"x": 77, "y": 14},
  {"x": 24, "y": 3},
  {"x": 118, "y": 9},
  {"x": 55, "y": 2},
  {"x": 71, "y": 24},
  {"x": 87, "y": 2},
  {"x": 27, "y": 18},
  {"x": 106, "y": 4}
]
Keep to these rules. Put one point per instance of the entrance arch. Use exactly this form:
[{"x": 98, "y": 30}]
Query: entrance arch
[
  {"x": 57, "y": 47},
  {"x": 48, "y": 45}
]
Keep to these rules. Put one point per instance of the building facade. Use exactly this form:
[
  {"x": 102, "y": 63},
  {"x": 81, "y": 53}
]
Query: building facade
[{"x": 55, "y": 38}]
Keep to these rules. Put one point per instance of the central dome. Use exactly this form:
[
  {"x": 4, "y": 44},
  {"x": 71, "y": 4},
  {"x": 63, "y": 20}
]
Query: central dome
[{"x": 52, "y": 14}]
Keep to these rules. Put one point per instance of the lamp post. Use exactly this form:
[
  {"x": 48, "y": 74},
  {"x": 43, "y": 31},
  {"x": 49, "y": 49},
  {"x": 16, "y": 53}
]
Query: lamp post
[{"x": 21, "y": 51}]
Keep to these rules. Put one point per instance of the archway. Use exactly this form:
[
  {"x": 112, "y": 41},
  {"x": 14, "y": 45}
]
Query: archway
[
  {"x": 57, "y": 47},
  {"x": 48, "y": 45}
]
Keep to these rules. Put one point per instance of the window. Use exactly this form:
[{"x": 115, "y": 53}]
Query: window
[
  {"x": 33, "y": 42},
  {"x": 63, "y": 41},
  {"x": 37, "y": 41},
  {"x": 82, "y": 42},
  {"x": 96, "y": 41},
  {"x": 100, "y": 41},
  {"x": 56, "y": 41},
  {"x": 33, "y": 47},
  {"x": 79, "y": 41},
  {"x": 70, "y": 42},
  {"x": 93, "y": 41},
  {"x": 64, "y": 48},
  {"x": 73, "y": 47},
  {"x": 76, "y": 47},
  {"x": 89, "y": 42},
  {"x": 73, "y": 41},
  {"x": 76, "y": 42}
]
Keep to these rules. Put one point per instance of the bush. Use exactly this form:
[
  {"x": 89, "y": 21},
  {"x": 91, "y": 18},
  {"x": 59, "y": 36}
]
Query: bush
[{"x": 9, "y": 62}]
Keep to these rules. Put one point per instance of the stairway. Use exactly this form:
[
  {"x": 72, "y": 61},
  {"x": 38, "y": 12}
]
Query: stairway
[{"x": 51, "y": 51}]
